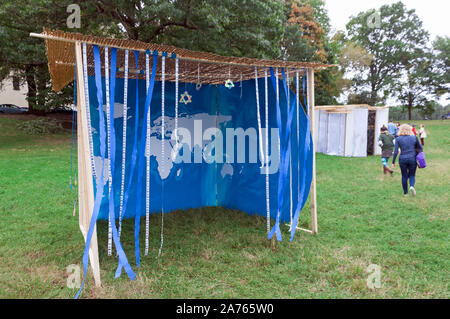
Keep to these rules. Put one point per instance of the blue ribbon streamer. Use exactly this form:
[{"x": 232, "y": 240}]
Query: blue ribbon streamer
[
  {"x": 134, "y": 151},
  {"x": 99, "y": 192},
  {"x": 285, "y": 149},
  {"x": 99, "y": 188},
  {"x": 122, "y": 257},
  {"x": 142, "y": 157},
  {"x": 141, "y": 163},
  {"x": 305, "y": 154}
]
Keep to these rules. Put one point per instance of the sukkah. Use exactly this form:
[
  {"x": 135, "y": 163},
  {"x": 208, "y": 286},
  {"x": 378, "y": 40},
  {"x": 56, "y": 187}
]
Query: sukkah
[{"x": 135, "y": 151}]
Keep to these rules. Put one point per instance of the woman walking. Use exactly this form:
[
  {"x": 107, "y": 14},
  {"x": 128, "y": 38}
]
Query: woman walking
[
  {"x": 407, "y": 142},
  {"x": 386, "y": 141}
]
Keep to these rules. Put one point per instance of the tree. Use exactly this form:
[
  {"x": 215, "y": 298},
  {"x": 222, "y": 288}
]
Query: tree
[
  {"x": 227, "y": 27},
  {"x": 399, "y": 34},
  {"x": 307, "y": 39},
  {"x": 441, "y": 49},
  {"x": 25, "y": 56},
  {"x": 417, "y": 83}
]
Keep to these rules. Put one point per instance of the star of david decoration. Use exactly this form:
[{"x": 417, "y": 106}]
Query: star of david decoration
[
  {"x": 186, "y": 98},
  {"x": 229, "y": 84}
]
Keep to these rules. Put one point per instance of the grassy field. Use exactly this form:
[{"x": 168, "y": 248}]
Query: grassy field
[{"x": 363, "y": 218}]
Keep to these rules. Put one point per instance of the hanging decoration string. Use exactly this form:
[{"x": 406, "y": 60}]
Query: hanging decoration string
[
  {"x": 303, "y": 195},
  {"x": 285, "y": 142},
  {"x": 88, "y": 111},
  {"x": 198, "y": 85},
  {"x": 176, "y": 147},
  {"x": 140, "y": 171},
  {"x": 73, "y": 138},
  {"x": 290, "y": 155},
  {"x": 163, "y": 131},
  {"x": 112, "y": 135},
  {"x": 147, "y": 152},
  {"x": 135, "y": 146},
  {"x": 124, "y": 138},
  {"x": 73, "y": 122},
  {"x": 108, "y": 137},
  {"x": 241, "y": 86},
  {"x": 266, "y": 100},
  {"x": 123, "y": 262},
  {"x": 261, "y": 151}
]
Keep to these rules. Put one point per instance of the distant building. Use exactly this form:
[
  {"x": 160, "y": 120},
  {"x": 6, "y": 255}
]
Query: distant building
[{"x": 13, "y": 92}]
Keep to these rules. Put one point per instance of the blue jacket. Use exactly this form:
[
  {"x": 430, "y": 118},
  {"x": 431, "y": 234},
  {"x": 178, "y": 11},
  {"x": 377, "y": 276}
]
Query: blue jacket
[
  {"x": 407, "y": 145},
  {"x": 392, "y": 129}
]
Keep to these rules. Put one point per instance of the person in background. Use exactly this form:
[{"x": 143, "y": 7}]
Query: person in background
[
  {"x": 422, "y": 134},
  {"x": 386, "y": 142},
  {"x": 414, "y": 129},
  {"x": 407, "y": 143},
  {"x": 392, "y": 129}
]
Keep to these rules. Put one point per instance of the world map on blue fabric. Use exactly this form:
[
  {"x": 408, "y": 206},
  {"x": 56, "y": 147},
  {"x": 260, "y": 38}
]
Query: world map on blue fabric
[{"x": 196, "y": 184}]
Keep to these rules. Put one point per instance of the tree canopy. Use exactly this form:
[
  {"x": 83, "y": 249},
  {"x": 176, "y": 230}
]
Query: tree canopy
[{"x": 392, "y": 59}]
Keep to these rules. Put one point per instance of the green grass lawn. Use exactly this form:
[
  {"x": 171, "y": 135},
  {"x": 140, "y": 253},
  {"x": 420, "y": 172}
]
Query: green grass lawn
[{"x": 363, "y": 219}]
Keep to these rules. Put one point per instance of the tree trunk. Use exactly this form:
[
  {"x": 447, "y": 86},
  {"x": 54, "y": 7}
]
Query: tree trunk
[
  {"x": 410, "y": 105},
  {"x": 41, "y": 89},
  {"x": 409, "y": 111},
  {"x": 31, "y": 83}
]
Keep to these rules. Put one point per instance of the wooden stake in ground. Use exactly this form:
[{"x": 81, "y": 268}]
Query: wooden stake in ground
[{"x": 310, "y": 96}]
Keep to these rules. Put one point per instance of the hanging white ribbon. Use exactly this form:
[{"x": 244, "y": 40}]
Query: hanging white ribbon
[
  {"x": 290, "y": 154},
  {"x": 108, "y": 138},
  {"x": 88, "y": 110},
  {"x": 163, "y": 67},
  {"x": 266, "y": 95},
  {"x": 147, "y": 172},
  {"x": 261, "y": 150},
  {"x": 177, "y": 146},
  {"x": 124, "y": 138}
]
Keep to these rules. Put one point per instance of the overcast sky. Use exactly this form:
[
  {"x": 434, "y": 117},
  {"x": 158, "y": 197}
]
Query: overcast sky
[{"x": 433, "y": 13}]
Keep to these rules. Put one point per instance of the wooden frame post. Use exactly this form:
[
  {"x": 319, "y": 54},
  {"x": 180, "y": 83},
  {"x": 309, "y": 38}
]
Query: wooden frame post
[
  {"x": 311, "y": 107},
  {"x": 85, "y": 181}
]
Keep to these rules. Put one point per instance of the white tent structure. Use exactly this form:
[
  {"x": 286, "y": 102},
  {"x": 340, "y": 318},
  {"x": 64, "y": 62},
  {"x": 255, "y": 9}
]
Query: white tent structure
[
  {"x": 381, "y": 118},
  {"x": 349, "y": 130}
]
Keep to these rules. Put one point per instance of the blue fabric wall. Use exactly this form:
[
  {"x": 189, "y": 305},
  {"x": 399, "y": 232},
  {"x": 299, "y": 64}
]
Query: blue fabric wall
[{"x": 191, "y": 185}]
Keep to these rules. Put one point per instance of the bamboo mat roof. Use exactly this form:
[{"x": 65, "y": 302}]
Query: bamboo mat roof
[{"x": 194, "y": 66}]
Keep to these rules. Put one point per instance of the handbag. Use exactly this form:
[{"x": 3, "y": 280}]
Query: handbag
[
  {"x": 420, "y": 159},
  {"x": 420, "y": 156}
]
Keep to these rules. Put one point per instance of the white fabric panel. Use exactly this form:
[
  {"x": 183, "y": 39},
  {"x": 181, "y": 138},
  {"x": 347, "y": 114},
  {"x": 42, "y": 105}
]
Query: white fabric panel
[
  {"x": 316, "y": 130},
  {"x": 336, "y": 132},
  {"x": 360, "y": 118},
  {"x": 349, "y": 134},
  {"x": 341, "y": 144},
  {"x": 381, "y": 119},
  {"x": 323, "y": 129}
]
